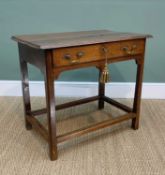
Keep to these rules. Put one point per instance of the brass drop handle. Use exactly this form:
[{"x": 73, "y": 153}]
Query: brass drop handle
[
  {"x": 129, "y": 51},
  {"x": 74, "y": 61},
  {"x": 80, "y": 54},
  {"x": 69, "y": 58}
]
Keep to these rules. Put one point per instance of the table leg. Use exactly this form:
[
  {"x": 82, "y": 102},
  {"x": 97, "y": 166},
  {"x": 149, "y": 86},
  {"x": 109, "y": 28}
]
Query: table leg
[
  {"x": 50, "y": 101},
  {"x": 101, "y": 92},
  {"x": 137, "y": 96},
  {"x": 25, "y": 91}
]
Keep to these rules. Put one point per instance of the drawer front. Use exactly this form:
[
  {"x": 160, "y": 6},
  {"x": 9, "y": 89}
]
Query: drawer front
[
  {"x": 75, "y": 55},
  {"x": 84, "y": 54},
  {"x": 126, "y": 48}
]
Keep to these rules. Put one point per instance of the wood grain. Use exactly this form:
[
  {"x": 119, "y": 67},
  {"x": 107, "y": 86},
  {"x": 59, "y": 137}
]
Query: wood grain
[
  {"x": 95, "y": 52},
  {"x": 58, "y": 40},
  {"x": 73, "y": 50}
]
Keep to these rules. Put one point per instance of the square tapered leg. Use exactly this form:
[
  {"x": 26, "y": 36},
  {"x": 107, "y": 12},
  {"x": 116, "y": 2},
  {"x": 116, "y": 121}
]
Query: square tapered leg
[
  {"x": 25, "y": 91},
  {"x": 138, "y": 90},
  {"x": 101, "y": 92},
  {"x": 50, "y": 101}
]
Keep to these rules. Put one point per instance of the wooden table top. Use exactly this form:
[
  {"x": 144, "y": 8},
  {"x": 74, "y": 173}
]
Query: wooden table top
[{"x": 67, "y": 39}]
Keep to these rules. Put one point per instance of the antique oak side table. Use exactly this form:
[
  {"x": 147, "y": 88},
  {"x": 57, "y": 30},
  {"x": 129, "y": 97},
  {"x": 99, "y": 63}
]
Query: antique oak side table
[{"x": 58, "y": 52}]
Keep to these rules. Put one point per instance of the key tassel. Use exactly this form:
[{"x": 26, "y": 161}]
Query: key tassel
[{"x": 105, "y": 72}]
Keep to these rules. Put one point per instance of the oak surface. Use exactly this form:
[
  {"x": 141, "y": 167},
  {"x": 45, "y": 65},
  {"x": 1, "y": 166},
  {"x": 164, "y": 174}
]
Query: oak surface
[
  {"x": 95, "y": 52},
  {"x": 55, "y": 53},
  {"x": 67, "y": 39}
]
